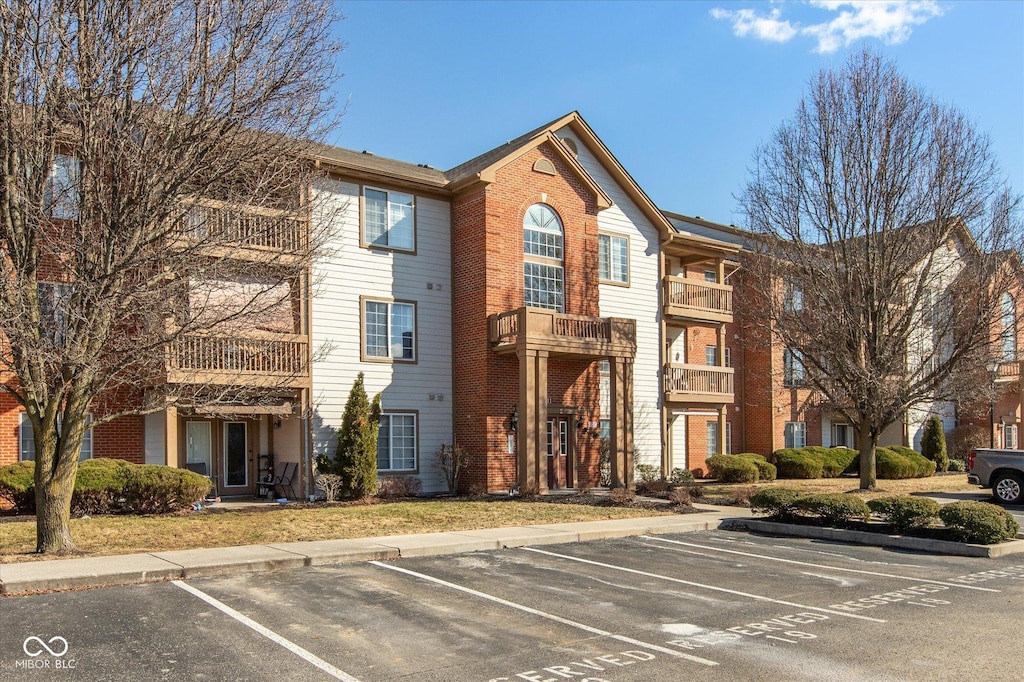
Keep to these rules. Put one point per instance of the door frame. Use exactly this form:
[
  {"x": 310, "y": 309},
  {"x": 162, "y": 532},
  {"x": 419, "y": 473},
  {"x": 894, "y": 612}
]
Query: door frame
[
  {"x": 567, "y": 415},
  {"x": 247, "y": 486}
]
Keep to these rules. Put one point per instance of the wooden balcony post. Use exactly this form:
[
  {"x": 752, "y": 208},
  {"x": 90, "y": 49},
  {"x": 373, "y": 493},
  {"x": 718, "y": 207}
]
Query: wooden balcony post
[
  {"x": 531, "y": 437},
  {"x": 171, "y": 436},
  {"x": 721, "y": 430},
  {"x": 621, "y": 437}
]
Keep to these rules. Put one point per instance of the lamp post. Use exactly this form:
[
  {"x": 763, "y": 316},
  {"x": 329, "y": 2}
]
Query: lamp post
[{"x": 993, "y": 368}]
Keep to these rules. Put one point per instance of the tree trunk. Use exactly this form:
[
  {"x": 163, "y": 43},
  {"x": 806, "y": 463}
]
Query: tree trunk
[
  {"x": 866, "y": 443},
  {"x": 53, "y": 515}
]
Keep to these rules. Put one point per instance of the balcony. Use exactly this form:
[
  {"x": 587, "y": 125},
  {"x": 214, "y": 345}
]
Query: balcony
[
  {"x": 703, "y": 384},
  {"x": 1008, "y": 371},
  {"x": 271, "y": 361},
  {"x": 698, "y": 301},
  {"x": 560, "y": 334},
  {"x": 255, "y": 233}
]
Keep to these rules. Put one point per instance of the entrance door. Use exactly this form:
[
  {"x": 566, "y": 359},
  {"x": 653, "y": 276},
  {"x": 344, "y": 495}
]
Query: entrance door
[
  {"x": 236, "y": 458},
  {"x": 558, "y": 452},
  {"x": 199, "y": 449},
  {"x": 841, "y": 435}
]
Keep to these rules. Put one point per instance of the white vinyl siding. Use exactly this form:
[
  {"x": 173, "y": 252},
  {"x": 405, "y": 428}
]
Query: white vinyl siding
[
  {"x": 389, "y": 219},
  {"x": 352, "y": 275},
  {"x": 396, "y": 443},
  {"x": 27, "y": 440},
  {"x": 638, "y": 301},
  {"x": 613, "y": 258}
]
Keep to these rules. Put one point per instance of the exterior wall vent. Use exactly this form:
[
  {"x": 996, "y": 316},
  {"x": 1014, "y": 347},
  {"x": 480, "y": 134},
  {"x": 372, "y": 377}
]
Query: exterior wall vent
[{"x": 544, "y": 166}]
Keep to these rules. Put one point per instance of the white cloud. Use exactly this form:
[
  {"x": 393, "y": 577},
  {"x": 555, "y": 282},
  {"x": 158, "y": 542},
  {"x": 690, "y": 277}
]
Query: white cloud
[
  {"x": 890, "y": 21},
  {"x": 746, "y": 22}
]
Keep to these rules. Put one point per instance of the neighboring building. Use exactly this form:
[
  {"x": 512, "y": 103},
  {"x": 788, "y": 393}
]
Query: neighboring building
[{"x": 530, "y": 304}]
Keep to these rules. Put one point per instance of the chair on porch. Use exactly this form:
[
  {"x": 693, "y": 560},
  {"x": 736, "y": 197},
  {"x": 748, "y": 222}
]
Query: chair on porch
[{"x": 284, "y": 479}]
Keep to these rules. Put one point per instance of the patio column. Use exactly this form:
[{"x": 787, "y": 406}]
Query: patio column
[
  {"x": 621, "y": 437},
  {"x": 531, "y": 437}
]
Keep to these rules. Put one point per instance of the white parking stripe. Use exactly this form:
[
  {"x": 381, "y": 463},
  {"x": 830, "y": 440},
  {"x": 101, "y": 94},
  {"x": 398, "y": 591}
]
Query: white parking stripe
[
  {"x": 807, "y": 563},
  {"x": 549, "y": 616},
  {"x": 269, "y": 634},
  {"x": 714, "y": 588}
]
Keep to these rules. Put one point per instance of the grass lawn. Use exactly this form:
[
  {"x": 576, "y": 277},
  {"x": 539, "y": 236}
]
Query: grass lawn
[{"x": 106, "y": 535}]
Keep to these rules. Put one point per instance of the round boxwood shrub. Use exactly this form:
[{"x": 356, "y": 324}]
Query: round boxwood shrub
[
  {"x": 99, "y": 486},
  {"x": 775, "y": 501},
  {"x": 839, "y": 461},
  {"x": 155, "y": 489},
  {"x": 957, "y": 465},
  {"x": 797, "y": 463},
  {"x": 834, "y": 508},
  {"x": 906, "y": 513},
  {"x": 18, "y": 486},
  {"x": 680, "y": 476},
  {"x": 979, "y": 522},
  {"x": 766, "y": 471},
  {"x": 732, "y": 469},
  {"x": 897, "y": 462}
]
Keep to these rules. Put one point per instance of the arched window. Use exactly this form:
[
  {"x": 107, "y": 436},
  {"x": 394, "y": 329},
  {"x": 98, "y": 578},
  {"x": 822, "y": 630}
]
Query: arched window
[
  {"x": 543, "y": 274},
  {"x": 1009, "y": 332}
]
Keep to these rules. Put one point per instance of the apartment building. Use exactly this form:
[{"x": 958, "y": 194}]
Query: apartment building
[{"x": 531, "y": 304}]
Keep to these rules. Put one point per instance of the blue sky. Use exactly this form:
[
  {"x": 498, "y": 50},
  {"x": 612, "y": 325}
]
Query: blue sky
[{"x": 681, "y": 92}]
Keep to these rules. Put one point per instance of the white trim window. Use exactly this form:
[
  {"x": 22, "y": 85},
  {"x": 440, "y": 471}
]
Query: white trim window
[
  {"x": 1008, "y": 337},
  {"x": 543, "y": 273},
  {"x": 54, "y": 299},
  {"x": 27, "y": 440},
  {"x": 396, "y": 442},
  {"x": 728, "y": 437},
  {"x": 795, "y": 434},
  {"x": 389, "y": 219},
  {"x": 62, "y": 194},
  {"x": 793, "y": 298},
  {"x": 390, "y": 330},
  {"x": 712, "y": 438},
  {"x": 604, "y": 382},
  {"x": 613, "y": 258},
  {"x": 793, "y": 371}
]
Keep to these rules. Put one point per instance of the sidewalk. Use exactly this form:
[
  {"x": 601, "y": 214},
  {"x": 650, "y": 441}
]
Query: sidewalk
[{"x": 129, "y": 569}]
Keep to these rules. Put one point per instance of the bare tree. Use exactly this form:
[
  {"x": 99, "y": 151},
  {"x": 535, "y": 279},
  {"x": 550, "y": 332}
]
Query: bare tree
[
  {"x": 154, "y": 198},
  {"x": 881, "y": 225}
]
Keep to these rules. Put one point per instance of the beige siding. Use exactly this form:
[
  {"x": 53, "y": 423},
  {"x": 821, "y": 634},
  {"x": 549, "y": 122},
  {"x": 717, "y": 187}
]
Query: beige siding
[
  {"x": 638, "y": 301},
  {"x": 352, "y": 272}
]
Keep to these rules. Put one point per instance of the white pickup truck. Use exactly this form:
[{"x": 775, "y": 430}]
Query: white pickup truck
[{"x": 1001, "y": 470}]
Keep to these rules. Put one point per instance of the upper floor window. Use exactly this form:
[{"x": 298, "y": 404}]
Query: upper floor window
[
  {"x": 396, "y": 442},
  {"x": 62, "y": 195},
  {"x": 1009, "y": 332},
  {"x": 389, "y": 330},
  {"x": 793, "y": 298},
  {"x": 794, "y": 373},
  {"x": 711, "y": 356},
  {"x": 543, "y": 272},
  {"x": 27, "y": 440},
  {"x": 711, "y": 276},
  {"x": 54, "y": 300},
  {"x": 613, "y": 258},
  {"x": 388, "y": 219}
]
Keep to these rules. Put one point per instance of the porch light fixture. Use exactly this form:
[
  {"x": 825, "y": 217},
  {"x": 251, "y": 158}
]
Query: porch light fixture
[
  {"x": 579, "y": 422},
  {"x": 513, "y": 419}
]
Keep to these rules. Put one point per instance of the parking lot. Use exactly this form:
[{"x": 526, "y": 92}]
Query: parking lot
[{"x": 712, "y": 605}]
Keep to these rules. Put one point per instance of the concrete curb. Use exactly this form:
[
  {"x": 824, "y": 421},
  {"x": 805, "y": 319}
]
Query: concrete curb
[
  {"x": 69, "y": 574},
  {"x": 876, "y": 539}
]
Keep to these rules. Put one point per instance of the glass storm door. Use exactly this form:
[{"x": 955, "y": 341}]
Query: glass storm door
[
  {"x": 236, "y": 455},
  {"x": 199, "y": 448}
]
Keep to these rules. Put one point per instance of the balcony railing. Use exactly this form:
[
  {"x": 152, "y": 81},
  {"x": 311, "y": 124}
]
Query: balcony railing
[
  {"x": 699, "y": 383},
  {"x": 557, "y": 332},
  {"x": 697, "y": 300},
  {"x": 238, "y": 360},
  {"x": 1008, "y": 371},
  {"x": 222, "y": 225}
]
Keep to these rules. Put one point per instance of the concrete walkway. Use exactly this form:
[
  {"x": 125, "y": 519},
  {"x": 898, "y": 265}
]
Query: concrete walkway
[{"x": 67, "y": 574}]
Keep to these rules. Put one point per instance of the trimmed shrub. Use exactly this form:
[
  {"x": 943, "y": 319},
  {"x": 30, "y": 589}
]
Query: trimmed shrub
[
  {"x": 933, "y": 444},
  {"x": 621, "y": 496},
  {"x": 906, "y": 513},
  {"x": 766, "y": 471},
  {"x": 776, "y": 501},
  {"x": 979, "y": 522},
  {"x": 647, "y": 473},
  {"x": 839, "y": 461},
  {"x": 957, "y": 465},
  {"x": 680, "y": 476},
  {"x": 897, "y": 462},
  {"x": 399, "y": 486},
  {"x": 108, "y": 486},
  {"x": 797, "y": 463},
  {"x": 18, "y": 486},
  {"x": 680, "y": 497},
  {"x": 732, "y": 469},
  {"x": 834, "y": 508}
]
